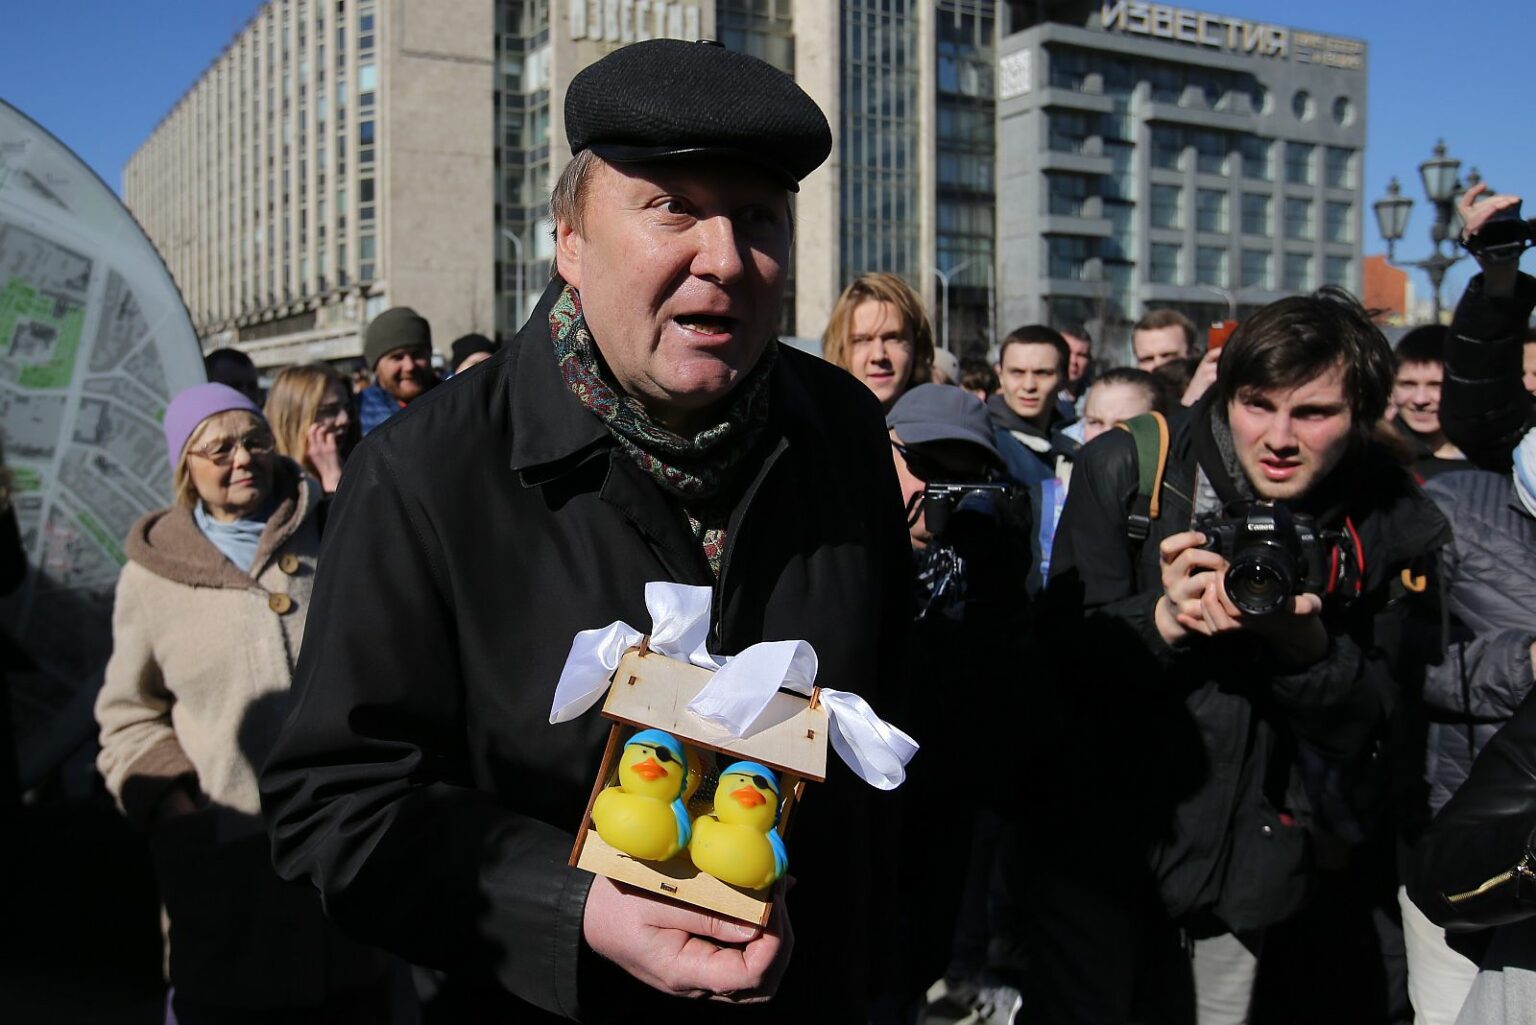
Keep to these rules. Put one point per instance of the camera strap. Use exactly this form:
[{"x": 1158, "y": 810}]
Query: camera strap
[{"x": 1150, "y": 433}]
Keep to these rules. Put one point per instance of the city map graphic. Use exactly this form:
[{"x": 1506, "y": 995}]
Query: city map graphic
[{"x": 94, "y": 339}]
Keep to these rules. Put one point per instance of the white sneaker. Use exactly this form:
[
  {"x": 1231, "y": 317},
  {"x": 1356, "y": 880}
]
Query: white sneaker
[{"x": 994, "y": 1005}]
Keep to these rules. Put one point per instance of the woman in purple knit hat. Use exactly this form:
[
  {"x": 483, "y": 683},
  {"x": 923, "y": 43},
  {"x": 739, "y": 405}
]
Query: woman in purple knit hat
[{"x": 209, "y": 614}]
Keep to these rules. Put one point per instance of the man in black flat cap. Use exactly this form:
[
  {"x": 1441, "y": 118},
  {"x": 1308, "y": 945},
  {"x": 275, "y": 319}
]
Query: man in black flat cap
[{"x": 645, "y": 424}]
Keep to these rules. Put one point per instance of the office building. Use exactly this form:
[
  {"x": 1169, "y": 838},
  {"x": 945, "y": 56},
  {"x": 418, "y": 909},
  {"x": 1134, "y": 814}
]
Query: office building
[
  {"x": 343, "y": 156},
  {"x": 1155, "y": 156}
]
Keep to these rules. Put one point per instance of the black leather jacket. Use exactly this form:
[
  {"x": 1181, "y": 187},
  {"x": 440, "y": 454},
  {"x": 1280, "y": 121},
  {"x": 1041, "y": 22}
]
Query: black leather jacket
[
  {"x": 1476, "y": 864},
  {"x": 1484, "y": 408},
  {"x": 1197, "y": 748}
]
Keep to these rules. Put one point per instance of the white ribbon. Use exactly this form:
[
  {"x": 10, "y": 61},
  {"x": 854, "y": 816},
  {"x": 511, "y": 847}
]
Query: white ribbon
[{"x": 737, "y": 696}]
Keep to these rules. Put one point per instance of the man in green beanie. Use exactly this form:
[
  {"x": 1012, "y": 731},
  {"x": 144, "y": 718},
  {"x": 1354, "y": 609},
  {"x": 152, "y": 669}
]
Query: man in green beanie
[{"x": 398, "y": 350}]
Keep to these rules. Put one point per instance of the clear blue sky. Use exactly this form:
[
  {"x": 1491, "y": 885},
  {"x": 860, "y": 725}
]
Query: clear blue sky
[{"x": 101, "y": 73}]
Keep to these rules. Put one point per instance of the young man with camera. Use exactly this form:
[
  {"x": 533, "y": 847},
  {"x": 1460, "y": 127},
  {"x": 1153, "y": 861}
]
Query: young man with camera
[{"x": 1199, "y": 737}]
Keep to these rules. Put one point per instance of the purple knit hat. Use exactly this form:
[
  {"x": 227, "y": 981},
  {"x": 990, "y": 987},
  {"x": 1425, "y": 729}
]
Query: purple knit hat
[{"x": 194, "y": 405}]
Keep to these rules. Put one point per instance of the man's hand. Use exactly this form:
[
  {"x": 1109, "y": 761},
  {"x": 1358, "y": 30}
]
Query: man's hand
[
  {"x": 686, "y": 951},
  {"x": 1201, "y": 380},
  {"x": 1195, "y": 601},
  {"x": 322, "y": 445},
  {"x": 1498, "y": 277},
  {"x": 1295, "y": 635},
  {"x": 1187, "y": 572}
]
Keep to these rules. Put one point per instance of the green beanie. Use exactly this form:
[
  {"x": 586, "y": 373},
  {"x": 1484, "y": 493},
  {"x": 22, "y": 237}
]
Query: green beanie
[{"x": 398, "y": 327}]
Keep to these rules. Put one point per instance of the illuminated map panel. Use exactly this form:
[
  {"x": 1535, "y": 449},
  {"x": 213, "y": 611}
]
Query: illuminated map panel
[{"x": 94, "y": 339}]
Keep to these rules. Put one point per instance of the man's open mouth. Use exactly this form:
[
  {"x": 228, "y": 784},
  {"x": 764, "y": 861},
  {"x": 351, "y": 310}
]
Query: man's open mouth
[{"x": 706, "y": 323}]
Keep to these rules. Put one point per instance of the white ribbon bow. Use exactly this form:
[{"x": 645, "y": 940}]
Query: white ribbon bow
[{"x": 742, "y": 686}]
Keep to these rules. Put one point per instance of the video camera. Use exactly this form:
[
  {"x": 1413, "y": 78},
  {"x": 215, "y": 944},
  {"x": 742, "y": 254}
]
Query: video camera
[
  {"x": 1503, "y": 237},
  {"x": 1274, "y": 554}
]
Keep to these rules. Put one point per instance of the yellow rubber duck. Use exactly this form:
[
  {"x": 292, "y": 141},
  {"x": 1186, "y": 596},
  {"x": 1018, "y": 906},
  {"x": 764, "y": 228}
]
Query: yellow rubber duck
[
  {"x": 738, "y": 844},
  {"x": 644, "y": 815}
]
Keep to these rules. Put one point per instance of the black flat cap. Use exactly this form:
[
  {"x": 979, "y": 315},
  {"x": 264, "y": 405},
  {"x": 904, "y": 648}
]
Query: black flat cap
[{"x": 670, "y": 98}]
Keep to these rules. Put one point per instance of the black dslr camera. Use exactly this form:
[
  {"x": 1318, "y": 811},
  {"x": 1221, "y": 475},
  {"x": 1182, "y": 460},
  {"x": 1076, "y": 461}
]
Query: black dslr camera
[
  {"x": 1273, "y": 555},
  {"x": 1503, "y": 237},
  {"x": 942, "y": 501}
]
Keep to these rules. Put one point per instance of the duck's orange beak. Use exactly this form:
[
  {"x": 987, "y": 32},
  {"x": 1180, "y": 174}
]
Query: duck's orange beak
[
  {"x": 748, "y": 797},
  {"x": 648, "y": 770}
]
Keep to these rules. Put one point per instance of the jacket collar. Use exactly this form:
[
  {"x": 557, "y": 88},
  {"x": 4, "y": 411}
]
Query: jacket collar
[
  {"x": 1002, "y": 415},
  {"x": 169, "y": 543},
  {"x": 550, "y": 426}
]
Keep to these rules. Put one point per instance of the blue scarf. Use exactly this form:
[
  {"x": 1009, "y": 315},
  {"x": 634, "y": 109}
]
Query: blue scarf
[{"x": 239, "y": 539}]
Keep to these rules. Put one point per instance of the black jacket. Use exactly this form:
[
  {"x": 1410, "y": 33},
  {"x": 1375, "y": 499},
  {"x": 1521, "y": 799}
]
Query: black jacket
[
  {"x": 1484, "y": 408},
  {"x": 418, "y": 783},
  {"x": 1486, "y": 829},
  {"x": 1190, "y": 754}
]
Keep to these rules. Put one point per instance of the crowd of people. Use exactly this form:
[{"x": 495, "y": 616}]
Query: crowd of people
[{"x": 1202, "y": 654}]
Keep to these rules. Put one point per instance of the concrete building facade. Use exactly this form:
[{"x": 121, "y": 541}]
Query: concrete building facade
[
  {"x": 343, "y": 156},
  {"x": 1154, "y": 156}
]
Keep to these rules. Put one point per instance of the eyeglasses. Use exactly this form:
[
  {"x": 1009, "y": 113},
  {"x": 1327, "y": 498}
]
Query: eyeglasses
[
  {"x": 222, "y": 452},
  {"x": 329, "y": 411}
]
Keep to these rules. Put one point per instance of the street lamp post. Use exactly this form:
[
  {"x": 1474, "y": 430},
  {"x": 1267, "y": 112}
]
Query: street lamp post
[
  {"x": 1443, "y": 189},
  {"x": 517, "y": 250},
  {"x": 944, "y": 278}
]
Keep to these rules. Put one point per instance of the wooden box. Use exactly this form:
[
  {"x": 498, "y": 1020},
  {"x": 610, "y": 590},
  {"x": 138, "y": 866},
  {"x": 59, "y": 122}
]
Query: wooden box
[{"x": 651, "y": 691}]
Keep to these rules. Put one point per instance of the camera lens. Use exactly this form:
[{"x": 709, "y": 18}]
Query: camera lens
[{"x": 1261, "y": 578}]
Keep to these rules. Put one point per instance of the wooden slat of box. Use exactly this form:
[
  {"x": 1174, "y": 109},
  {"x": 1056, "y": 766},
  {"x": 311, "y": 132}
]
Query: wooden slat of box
[
  {"x": 677, "y": 879},
  {"x": 652, "y": 691}
]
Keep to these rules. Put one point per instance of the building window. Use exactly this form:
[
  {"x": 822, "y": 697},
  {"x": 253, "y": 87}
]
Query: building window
[
  {"x": 1120, "y": 243},
  {"x": 1067, "y": 256},
  {"x": 1210, "y": 210},
  {"x": 1067, "y": 193},
  {"x": 1211, "y": 152},
  {"x": 1302, "y": 105},
  {"x": 1338, "y": 222},
  {"x": 1255, "y": 269},
  {"x": 1119, "y": 183},
  {"x": 1298, "y": 272},
  {"x": 1167, "y": 83},
  {"x": 1119, "y": 126},
  {"x": 1336, "y": 271},
  {"x": 1339, "y": 168},
  {"x": 1069, "y": 68},
  {"x": 1163, "y": 264},
  {"x": 1298, "y": 163},
  {"x": 1167, "y": 148},
  {"x": 1298, "y": 219},
  {"x": 1165, "y": 206},
  {"x": 1257, "y": 157},
  {"x": 1069, "y": 131},
  {"x": 1343, "y": 111},
  {"x": 1211, "y": 266},
  {"x": 1255, "y": 214},
  {"x": 1212, "y": 87}
]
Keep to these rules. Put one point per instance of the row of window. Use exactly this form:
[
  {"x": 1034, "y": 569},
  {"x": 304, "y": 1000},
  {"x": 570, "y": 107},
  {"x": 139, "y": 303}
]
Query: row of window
[
  {"x": 1067, "y": 195},
  {"x": 1097, "y": 73},
  {"x": 1067, "y": 259}
]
